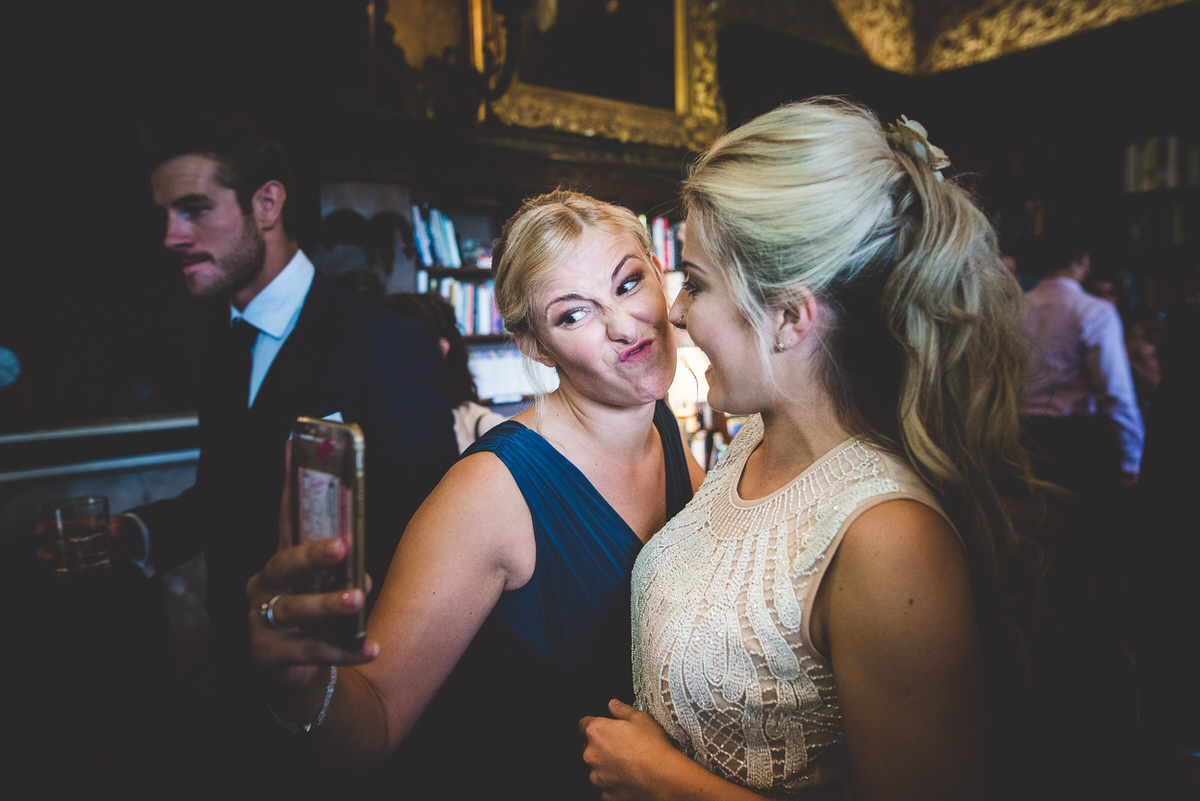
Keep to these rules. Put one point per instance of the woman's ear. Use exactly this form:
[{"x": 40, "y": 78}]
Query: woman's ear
[
  {"x": 797, "y": 319},
  {"x": 529, "y": 346}
]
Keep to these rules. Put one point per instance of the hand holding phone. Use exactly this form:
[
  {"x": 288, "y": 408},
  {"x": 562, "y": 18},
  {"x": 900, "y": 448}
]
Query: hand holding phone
[{"x": 327, "y": 500}]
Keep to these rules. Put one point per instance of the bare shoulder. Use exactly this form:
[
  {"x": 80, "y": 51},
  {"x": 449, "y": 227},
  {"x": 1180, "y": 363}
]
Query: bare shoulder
[
  {"x": 477, "y": 510},
  {"x": 900, "y": 541},
  {"x": 900, "y": 575},
  {"x": 483, "y": 473}
]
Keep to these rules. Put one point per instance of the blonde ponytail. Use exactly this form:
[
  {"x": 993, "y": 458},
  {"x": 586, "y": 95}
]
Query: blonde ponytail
[
  {"x": 925, "y": 354},
  {"x": 956, "y": 311}
]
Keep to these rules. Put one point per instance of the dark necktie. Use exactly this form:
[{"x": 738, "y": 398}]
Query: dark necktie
[{"x": 240, "y": 346}]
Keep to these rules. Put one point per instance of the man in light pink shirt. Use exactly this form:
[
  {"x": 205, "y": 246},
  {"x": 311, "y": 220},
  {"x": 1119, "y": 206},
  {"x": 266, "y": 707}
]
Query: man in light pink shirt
[
  {"x": 1079, "y": 373},
  {"x": 1082, "y": 419}
]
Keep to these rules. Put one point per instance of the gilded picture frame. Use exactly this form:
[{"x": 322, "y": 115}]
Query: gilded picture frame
[{"x": 699, "y": 114}]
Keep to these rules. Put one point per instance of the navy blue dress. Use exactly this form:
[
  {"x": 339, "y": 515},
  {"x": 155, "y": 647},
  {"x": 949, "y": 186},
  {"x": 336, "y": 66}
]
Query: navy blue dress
[{"x": 505, "y": 724}]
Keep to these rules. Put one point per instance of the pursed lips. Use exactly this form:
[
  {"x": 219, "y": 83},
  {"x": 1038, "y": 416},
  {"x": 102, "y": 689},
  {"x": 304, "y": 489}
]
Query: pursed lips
[{"x": 636, "y": 352}]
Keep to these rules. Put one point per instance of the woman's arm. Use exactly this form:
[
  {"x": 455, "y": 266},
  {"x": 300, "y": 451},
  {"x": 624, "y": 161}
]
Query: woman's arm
[
  {"x": 896, "y": 616},
  {"x": 471, "y": 540}
]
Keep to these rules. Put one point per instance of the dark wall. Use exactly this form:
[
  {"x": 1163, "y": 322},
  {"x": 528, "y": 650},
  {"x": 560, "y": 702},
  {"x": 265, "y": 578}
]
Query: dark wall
[
  {"x": 97, "y": 314},
  {"x": 1049, "y": 123},
  {"x": 98, "y": 317},
  {"x": 101, "y": 320}
]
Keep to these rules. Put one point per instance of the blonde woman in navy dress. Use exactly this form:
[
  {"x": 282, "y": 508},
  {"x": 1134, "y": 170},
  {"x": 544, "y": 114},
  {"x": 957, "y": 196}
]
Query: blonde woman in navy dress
[
  {"x": 505, "y": 614},
  {"x": 810, "y": 625}
]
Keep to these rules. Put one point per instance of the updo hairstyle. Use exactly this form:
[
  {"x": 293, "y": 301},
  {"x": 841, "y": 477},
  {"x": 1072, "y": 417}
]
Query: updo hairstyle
[{"x": 922, "y": 349}]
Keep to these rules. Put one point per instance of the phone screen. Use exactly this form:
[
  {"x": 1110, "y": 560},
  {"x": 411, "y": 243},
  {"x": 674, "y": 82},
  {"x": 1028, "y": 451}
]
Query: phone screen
[{"x": 325, "y": 511}]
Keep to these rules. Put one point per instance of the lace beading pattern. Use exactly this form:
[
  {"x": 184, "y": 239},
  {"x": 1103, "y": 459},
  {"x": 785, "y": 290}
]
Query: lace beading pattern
[{"x": 718, "y": 654}]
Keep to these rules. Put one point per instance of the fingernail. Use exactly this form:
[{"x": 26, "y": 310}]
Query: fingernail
[
  {"x": 351, "y": 598},
  {"x": 334, "y": 547}
]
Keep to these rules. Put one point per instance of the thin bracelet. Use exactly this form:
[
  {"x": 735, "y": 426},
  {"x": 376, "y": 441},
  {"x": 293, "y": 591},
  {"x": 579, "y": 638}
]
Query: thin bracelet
[{"x": 319, "y": 719}]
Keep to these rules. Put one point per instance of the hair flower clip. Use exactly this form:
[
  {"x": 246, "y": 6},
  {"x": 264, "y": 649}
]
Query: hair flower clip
[{"x": 912, "y": 136}]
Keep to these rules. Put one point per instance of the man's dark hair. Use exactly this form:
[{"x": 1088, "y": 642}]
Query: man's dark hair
[
  {"x": 1055, "y": 250},
  {"x": 246, "y": 159}
]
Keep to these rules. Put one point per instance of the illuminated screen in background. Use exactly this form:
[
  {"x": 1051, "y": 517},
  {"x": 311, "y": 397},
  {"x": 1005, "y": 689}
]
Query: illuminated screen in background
[{"x": 504, "y": 375}]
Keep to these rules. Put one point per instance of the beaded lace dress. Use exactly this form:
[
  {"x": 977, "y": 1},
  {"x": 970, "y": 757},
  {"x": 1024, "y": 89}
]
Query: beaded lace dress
[{"x": 722, "y": 596}]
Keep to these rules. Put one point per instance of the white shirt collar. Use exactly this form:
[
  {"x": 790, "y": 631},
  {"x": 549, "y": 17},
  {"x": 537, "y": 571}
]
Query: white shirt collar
[{"x": 274, "y": 310}]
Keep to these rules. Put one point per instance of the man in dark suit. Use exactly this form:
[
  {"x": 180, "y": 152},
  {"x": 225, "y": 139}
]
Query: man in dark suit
[{"x": 314, "y": 349}]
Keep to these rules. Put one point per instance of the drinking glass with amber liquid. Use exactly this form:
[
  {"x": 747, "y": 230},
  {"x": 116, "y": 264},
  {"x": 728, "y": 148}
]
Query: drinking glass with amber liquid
[{"x": 77, "y": 529}]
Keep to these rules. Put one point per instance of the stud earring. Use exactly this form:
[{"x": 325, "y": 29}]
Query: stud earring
[{"x": 780, "y": 347}]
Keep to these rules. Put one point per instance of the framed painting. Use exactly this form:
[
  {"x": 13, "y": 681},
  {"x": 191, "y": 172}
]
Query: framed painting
[{"x": 639, "y": 71}]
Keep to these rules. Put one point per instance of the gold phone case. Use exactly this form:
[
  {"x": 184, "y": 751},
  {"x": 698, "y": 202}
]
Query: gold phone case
[{"x": 327, "y": 500}]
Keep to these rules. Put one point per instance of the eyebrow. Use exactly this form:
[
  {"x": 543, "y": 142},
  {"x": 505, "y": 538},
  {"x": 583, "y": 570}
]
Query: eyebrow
[
  {"x": 577, "y": 296},
  {"x": 690, "y": 265},
  {"x": 190, "y": 200}
]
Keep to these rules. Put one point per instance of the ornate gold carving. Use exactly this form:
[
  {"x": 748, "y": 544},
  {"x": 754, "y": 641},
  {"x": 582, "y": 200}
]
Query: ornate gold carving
[
  {"x": 699, "y": 115},
  {"x": 922, "y": 37},
  {"x": 884, "y": 28},
  {"x": 961, "y": 34}
]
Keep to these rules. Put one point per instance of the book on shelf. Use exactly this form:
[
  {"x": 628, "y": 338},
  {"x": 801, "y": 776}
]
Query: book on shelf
[
  {"x": 445, "y": 244},
  {"x": 1035, "y": 217},
  {"x": 1150, "y": 173},
  {"x": 474, "y": 305},
  {"x": 1171, "y": 163},
  {"x": 421, "y": 237},
  {"x": 1132, "y": 181},
  {"x": 666, "y": 238},
  {"x": 452, "y": 249},
  {"x": 435, "y": 238},
  {"x": 483, "y": 306},
  {"x": 1157, "y": 162}
]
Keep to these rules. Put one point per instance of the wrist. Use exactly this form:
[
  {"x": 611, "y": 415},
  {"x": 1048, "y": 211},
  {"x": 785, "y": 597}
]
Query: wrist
[
  {"x": 305, "y": 710},
  {"x": 290, "y": 686}
]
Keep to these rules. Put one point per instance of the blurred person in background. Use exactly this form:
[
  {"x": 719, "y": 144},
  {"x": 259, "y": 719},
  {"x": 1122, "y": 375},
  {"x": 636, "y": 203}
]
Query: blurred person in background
[{"x": 435, "y": 314}]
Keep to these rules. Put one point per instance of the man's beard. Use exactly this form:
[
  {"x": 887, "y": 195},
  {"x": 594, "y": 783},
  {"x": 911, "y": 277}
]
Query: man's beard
[{"x": 240, "y": 266}]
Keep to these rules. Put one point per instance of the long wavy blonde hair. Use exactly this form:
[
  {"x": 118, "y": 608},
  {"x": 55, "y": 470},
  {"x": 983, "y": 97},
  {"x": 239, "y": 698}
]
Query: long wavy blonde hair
[{"x": 925, "y": 354}]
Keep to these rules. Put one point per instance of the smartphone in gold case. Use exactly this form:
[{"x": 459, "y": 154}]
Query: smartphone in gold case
[{"x": 328, "y": 501}]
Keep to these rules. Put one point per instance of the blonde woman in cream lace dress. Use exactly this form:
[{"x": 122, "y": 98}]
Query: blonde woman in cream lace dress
[{"x": 810, "y": 624}]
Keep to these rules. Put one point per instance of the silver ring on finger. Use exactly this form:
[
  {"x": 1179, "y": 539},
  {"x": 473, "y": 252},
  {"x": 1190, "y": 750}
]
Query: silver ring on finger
[{"x": 268, "y": 611}]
